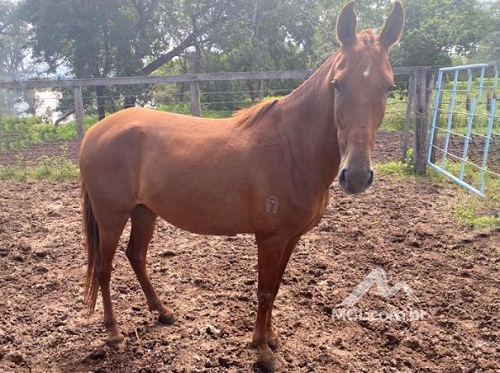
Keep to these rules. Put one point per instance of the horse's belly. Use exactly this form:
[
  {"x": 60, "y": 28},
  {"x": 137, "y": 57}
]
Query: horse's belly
[
  {"x": 206, "y": 222},
  {"x": 203, "y": 211}
]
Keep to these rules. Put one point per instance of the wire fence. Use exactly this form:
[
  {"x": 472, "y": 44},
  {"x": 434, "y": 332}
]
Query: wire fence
[
  {"x": 37, "y": 121},
  {"x": 215, "y": 103}
]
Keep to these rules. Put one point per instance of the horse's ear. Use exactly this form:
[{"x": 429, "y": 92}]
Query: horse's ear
[
  {"x": 393, "y": 27},
  {"x": 346, "y": 25}
]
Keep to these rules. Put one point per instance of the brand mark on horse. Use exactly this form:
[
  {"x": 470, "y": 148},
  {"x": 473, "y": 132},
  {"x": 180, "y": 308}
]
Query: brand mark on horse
[{"x": 272, "y": 205}]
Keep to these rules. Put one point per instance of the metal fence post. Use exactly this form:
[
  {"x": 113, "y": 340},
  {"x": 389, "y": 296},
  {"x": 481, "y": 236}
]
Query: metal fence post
[{"x": 77, "y": 96}]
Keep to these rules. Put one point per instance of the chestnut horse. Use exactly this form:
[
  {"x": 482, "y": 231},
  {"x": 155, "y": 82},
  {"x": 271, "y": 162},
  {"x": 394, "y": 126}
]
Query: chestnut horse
[{"x": 267, "y": 170}]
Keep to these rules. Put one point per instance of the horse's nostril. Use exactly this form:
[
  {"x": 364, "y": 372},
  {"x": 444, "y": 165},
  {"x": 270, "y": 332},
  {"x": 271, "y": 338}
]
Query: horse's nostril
[
  {"x": 342, "y": 176},
  {"x": 370, "y": 180},
  {"x": 354, "y": 182}
]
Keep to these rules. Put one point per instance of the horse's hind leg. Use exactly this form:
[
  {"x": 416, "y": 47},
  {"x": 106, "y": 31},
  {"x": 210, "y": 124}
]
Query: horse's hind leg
[
  {"x": 109, "y": 235},
  {"x": 143, "y": 224}
]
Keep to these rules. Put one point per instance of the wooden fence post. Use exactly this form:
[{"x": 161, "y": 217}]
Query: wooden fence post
[
  {"x": 408, "y": 118},
  {"x": 423, "y": 79},
  {"x": 195, "y": 99},
  {"x": 436, "y": 130},
  {"x": 77, "y": 96},
  {"x": 260, "y": 95}
]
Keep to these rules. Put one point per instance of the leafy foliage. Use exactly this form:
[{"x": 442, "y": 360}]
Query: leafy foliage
[
  {"x": 127, "y": 37},
  {"x": 437, "y": 29},
  {"x": 130, "y": 37}
]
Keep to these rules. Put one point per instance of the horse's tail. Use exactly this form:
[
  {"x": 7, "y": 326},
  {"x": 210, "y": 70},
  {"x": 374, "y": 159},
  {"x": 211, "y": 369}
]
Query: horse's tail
[{"x": 91, "y": 231}]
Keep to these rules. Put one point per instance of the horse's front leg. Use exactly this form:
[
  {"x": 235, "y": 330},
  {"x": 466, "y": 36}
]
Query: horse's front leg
[
  {"x": 271, "y": 252},
  {"x": 272, "y": 336}
]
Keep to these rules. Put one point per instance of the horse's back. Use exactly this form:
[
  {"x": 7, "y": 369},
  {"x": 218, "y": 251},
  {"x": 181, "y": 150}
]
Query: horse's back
[{"x": 128, "y": 135}]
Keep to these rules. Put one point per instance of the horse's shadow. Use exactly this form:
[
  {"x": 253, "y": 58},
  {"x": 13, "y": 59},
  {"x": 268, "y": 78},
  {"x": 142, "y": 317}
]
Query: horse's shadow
[{"x": 101, "y": 358}]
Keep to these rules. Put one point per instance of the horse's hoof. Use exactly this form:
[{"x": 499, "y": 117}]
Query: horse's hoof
[
  {"x": 118, "y": 343},
  {"x": 267, "y": 362},
  {"x": 166, "y": 319},
  {"x": 274, "y": 343}
]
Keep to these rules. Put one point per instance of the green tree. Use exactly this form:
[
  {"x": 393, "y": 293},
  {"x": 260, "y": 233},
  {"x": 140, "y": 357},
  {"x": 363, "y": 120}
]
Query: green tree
[
  {"x": 13, "y": 35},
  {"x": 488, "y": 48},
  {"x": 436, "y": 30},
  {"x": 13, "y": 54},
  {"x": 89, "y": 38},
  {"x": 93, "y": 38},
  {"x": 264, "y": 35}
]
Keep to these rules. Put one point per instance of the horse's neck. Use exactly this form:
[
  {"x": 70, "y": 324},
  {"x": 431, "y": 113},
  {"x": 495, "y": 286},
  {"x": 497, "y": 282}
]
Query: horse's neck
[{"x": 309, "y": 119}]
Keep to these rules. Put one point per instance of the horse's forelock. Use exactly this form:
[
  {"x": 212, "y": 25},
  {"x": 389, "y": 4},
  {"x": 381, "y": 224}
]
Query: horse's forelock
[{"x": 367, "y": 37}]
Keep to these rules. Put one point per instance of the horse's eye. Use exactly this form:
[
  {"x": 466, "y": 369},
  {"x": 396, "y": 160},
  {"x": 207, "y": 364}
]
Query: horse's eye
[
  {"x": 337, "y": 85},
  {"x": 391, "y": 88}
]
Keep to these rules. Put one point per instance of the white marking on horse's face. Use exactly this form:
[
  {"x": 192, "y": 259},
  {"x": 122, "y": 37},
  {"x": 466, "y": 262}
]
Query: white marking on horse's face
[{"x": 367, "y": 71}]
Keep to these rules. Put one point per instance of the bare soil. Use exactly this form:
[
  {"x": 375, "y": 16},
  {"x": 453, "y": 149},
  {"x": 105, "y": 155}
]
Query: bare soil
[{"x": 405, "y": 228}]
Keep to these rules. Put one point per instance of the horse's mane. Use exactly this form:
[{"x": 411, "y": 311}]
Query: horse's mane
[{"x": 249, "y": 116}]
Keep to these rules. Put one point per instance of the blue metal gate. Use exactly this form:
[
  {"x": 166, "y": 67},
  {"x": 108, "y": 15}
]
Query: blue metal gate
[{"x": 465, "y": 129}]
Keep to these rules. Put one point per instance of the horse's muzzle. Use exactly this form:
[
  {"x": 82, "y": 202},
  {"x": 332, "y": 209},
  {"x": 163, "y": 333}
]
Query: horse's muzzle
[{"x": 355, "y": 182}]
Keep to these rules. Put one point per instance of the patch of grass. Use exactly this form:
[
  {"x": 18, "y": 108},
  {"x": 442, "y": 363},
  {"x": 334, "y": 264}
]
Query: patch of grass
[
  {"x": 56, "y": 168},
  {"x": 472, "y": 210},
  {"x": 395, "y": 114},
  {"x": 20, "y": 133},
  {"x": 471, "y": 175},
  {"x": 395, "y": 168},
  {"x": 462, "y": 105}
]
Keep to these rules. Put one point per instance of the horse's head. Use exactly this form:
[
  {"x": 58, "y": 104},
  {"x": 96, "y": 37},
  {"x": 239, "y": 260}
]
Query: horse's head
[{"x": 362, "y": 79}]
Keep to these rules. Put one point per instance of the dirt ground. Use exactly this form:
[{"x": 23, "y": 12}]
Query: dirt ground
[{"x": 405, "y": 228}]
